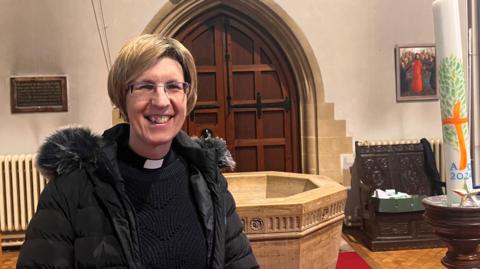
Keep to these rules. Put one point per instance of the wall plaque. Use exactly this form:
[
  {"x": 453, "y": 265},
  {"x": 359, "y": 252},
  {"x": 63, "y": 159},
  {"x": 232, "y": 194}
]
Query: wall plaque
[{"x": 38, "y": 94}]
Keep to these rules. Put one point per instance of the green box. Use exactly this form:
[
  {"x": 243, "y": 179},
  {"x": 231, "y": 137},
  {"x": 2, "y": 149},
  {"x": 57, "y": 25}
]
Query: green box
[{"x": 395, "y": 205}]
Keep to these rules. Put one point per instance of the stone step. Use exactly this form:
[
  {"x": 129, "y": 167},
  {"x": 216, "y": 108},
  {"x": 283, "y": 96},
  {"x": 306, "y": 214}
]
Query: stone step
[
  {"x": 332, "y": 128},
  {"x": 329, "y": 161},
  {"x": 335, "y": 144},
  {"x": 335, "y": 174},
  {"x": 326, "y": 111}
]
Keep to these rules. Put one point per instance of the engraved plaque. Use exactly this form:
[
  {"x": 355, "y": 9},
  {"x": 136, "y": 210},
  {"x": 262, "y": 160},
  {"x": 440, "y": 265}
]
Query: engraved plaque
[{"x": 38, "y": 94}]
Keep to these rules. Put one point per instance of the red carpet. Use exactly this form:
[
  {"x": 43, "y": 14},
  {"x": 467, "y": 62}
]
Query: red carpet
[{"x": 351, "y": 260}]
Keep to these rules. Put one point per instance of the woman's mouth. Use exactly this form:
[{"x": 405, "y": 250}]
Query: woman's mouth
[{"x": 158, "y": 119}]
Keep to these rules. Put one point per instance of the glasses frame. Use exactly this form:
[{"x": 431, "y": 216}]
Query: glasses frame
[{"x": 131, "y": 87}]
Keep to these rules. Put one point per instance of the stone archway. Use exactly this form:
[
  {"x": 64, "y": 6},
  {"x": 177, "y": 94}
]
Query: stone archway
[{"x": 321, "y": 140}]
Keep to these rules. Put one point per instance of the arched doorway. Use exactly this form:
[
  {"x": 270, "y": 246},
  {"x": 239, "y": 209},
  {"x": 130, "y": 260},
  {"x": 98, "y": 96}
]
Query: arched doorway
[
  {"x": 320, "y": 151},
  {"x": 246, "y": 93}
]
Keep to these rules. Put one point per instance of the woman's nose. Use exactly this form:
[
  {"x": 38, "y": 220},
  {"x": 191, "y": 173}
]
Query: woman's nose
[{"x": 160, "y": 97}]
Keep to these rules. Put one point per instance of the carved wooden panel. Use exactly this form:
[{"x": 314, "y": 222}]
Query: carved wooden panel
[
  {"x": 376, "y": 172},
  {"x": 393, "y": 229},
  {"x": 423, "y": 228},
  {"x": 400, "y": 167},
  {"x": 412, "y": 178}
]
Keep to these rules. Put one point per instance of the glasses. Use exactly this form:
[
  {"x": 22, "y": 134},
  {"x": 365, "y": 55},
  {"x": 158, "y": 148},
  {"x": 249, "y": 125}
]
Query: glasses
[{"x": 173, "y": 89}]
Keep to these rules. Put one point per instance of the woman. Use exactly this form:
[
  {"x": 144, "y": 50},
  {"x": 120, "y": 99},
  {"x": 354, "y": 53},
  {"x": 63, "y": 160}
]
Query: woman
[{"x": 143, "y": 195}]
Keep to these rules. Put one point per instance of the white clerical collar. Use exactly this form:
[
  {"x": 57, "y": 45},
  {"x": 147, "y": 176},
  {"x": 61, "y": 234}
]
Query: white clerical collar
[{"x": 152, "y": 164}]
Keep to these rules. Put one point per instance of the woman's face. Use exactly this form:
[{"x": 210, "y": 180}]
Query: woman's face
[{"x": 155, "y": 118}]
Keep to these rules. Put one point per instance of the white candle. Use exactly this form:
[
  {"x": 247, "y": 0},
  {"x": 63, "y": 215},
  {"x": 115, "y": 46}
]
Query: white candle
[{"x": 453, "y": 103}]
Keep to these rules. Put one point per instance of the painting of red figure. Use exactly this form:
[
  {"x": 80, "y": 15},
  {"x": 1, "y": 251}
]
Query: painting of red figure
[{"x": 416, "y": 73}]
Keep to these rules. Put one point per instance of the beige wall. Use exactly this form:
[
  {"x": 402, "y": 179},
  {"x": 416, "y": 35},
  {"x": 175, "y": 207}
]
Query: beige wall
[
  {"x": 51, "y": 37},
  {"x": 353, "y": 41}
]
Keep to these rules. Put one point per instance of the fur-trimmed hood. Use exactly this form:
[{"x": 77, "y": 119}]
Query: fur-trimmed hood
[{"x": 71, "y": 148}]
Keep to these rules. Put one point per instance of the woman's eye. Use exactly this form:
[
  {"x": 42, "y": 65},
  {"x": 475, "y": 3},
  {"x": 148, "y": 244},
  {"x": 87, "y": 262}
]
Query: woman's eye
[
  {"x": 148, "y": 87},
  {"x": 173, "y": 86}
]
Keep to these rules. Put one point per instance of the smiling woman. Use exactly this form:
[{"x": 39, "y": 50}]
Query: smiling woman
[
  {"x": 156, "y": 116},
  {"x": 144, "y": 194}
]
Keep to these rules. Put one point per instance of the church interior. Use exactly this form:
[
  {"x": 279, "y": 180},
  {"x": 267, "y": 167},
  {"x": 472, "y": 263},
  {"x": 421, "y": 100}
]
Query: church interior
[{"x": 317, "y": 100}]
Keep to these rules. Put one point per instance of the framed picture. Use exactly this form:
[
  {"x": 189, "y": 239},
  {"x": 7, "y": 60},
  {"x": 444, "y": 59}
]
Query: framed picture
[{"x": 416, "y": 72}]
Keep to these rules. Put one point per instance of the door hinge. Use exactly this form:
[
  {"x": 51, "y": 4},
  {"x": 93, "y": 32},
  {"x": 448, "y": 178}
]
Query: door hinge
[{"x": 259, "y": 105}]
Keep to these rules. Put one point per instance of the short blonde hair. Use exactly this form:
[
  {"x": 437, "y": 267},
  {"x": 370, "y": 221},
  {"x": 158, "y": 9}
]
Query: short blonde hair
[{"x": 141, "y": 53}]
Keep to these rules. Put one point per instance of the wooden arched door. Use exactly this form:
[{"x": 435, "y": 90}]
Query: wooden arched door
[{"x": 246, "y": 93}]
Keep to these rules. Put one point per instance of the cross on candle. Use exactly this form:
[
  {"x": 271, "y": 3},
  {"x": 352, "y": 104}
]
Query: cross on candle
[{"x": 457, "y": 121}]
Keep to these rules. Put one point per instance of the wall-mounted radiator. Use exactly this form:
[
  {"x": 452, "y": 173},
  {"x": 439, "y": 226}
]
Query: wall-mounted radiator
[{"x": 20, "y": 187}]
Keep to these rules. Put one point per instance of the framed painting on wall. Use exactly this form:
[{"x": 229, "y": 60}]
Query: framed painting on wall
[{"x": 416, "y": 76}]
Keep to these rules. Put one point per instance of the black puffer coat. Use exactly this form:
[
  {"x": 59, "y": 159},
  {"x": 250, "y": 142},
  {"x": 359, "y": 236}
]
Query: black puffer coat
[{"x": 85, "y": 220}]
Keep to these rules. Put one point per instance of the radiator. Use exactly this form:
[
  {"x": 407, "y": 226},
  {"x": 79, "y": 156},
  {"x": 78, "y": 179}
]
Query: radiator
[
  {"x": 436, "y": 148},
  {"x": 20, "y": 187}
]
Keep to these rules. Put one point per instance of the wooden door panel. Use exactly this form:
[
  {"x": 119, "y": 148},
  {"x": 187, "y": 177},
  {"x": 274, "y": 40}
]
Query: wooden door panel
[
  {"x": 245, "y": 125},
  {"x": 243, "y": 86},
  {"x": 254, "y": 142},
  {"x": 203, "y": 46},
  {"x": 207, "y": 85},
  {"x": 247, "y": 157},
  {"x": 275, "y": 158},
  {"x": 205, "y": 120},
  {"x": 276, "y": 128},
  {"x": 271, "y": 88},
  {"x": 242, "y": 47}
]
